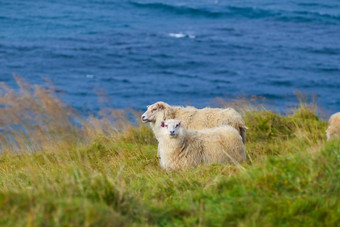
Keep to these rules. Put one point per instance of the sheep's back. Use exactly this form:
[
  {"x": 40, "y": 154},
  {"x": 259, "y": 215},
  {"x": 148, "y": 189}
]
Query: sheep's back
[{"x": 209, "y": 118}]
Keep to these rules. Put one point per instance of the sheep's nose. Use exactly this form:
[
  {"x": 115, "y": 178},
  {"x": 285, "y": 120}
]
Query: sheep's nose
[
  {"x": 172, "y": 132},
  {"x": 143, "y": 117}
]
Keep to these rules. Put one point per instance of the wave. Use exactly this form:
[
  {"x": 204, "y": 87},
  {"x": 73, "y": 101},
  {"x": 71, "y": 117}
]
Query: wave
[
  {"x": 23, "y": 47},
  {"x": 247, "y": 12},
  {"x": 329, "y": 6},
  {"x": 177, "y": 9},
  {"x": 185, "y": 10},
  {"x": 323, "y": 50},
  {"x": 306, "y": 16},
  {"x": 181, "y": 35},
  {"x": 284, "y": 83}
]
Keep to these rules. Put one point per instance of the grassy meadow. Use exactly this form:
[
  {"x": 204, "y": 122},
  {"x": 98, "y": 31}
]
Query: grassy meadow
[{"x": 59, "y": 169}]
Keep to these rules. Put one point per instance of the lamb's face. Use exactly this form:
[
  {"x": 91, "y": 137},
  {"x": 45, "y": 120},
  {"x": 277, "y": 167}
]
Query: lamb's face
[
  {"x": 172, "y": 127},
  {"x": 152, "y": 111}
]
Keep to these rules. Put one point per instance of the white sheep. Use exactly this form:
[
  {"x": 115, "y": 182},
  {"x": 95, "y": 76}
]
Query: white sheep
[
  {"x": 333, "y": 129},
  {"x": 194, "y": 118},
  {"x": 181, "y": 148}
]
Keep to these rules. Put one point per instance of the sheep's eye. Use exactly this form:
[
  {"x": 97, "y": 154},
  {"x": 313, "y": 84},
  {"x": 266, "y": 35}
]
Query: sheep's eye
[
  {"x": 166, "y": 125},
  {"x": 176, "y": 125},
  {"x": 154, "y": 109}
]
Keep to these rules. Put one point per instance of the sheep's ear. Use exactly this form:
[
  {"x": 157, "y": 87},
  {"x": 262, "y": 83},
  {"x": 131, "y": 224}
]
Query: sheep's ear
[
  {"x": 162, "y": 124},
  {"x": 181, "y": 123},
  {"x": 161, "y": 106}
]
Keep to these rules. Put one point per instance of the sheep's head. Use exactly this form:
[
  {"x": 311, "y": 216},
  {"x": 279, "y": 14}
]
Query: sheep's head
[
  {"x": 333, "y": 132},
  {"x": 153, "y": 111},
  {"x": 172, "y": 127}
]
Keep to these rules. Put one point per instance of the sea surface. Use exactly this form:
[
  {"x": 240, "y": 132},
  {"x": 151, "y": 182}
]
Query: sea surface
[{"x": 134, "y": 53}]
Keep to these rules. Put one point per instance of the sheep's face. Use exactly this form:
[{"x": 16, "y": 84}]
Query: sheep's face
[
  {"x": 172, "y": 127},
  {"x": 152, "y": 111},
  {"x": 332, "y": 132}
]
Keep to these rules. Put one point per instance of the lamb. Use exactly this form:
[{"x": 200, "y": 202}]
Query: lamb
[
  {"x": 194, "y": 118},
  {"x": 333, "y": 129},
  {"x": 181, "y": 148}
]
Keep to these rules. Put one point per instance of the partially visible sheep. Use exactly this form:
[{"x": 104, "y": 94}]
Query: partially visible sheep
[
  {"x": 194, "y": 118},
  {"x": 333, "y": 129},
  {"x": 181, "y": 148}
]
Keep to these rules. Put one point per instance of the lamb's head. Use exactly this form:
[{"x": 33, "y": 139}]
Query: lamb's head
[
  {"x": 172, "y": 128},
  {"x": 155, "y": 110}
]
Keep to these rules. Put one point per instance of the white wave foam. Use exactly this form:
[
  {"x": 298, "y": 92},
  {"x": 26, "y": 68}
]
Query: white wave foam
[
  {"x": 181, "y": 35},
  {"x": 177, "y": 35}
]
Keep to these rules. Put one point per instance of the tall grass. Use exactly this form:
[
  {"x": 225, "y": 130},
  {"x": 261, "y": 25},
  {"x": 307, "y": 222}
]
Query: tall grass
[{"x": 57, "y": 168}]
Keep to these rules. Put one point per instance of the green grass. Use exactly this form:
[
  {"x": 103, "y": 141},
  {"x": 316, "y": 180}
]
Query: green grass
[{"x": 292, "y": 178}]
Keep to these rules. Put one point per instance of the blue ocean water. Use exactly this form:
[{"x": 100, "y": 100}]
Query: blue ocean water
[{"x": 181, "y": 52}]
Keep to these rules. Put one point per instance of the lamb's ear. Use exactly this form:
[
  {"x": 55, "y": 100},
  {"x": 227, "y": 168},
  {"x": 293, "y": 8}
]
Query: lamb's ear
[
  {"x": 181, "y": 123},
  {"x": 162, "y": 124}
]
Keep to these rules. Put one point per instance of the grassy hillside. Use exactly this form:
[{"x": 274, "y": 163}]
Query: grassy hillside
[{"x": 57, "y": 169}]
